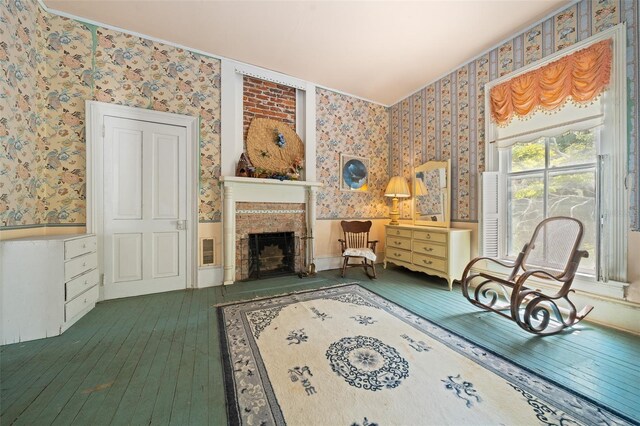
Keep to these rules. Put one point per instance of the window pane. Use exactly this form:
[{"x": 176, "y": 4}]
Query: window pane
[
  {"x": 525, "y": 210},
  {"x": 527, "y": 156},
  {"x": 573, "y": 194},
  {"x": 571, "y": 148}
]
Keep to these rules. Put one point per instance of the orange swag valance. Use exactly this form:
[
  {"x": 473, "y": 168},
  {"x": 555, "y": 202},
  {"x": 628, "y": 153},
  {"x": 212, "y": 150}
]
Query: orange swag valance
[{"x": 581, "y": 76}]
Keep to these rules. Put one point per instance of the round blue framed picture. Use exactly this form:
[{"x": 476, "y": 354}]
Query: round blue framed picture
[{"x": 355, "y": 173}]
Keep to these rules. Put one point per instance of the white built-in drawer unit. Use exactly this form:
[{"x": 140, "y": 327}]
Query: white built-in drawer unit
[
  {"x": 48, "y": 283},
  {"x": 443, "y": 252},
  {"x": 80, "y": 246},
  {"x": 79, "y": 265}
]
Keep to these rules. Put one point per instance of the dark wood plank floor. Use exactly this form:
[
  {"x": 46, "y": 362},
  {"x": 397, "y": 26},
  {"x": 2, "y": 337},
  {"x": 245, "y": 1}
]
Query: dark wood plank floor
[{"x": 156, "y": 359}]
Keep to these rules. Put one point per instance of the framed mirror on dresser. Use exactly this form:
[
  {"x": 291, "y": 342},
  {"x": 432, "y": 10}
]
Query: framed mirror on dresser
[
  {"x": 432, "y": 194},
  {"x": 430, "y": 245}
]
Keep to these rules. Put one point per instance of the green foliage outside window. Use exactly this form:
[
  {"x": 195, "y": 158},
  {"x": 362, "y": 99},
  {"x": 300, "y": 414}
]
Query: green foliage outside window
[
  {"x": 569, "y": 163},
  {"x": 571, "y": 148}
]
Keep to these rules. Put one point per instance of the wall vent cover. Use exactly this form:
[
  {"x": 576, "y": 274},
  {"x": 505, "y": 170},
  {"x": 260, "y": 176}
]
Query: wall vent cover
[{"x": 207, "y": 251}]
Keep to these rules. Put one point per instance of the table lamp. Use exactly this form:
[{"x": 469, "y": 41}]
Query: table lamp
[{"x": 397, "y": 188}]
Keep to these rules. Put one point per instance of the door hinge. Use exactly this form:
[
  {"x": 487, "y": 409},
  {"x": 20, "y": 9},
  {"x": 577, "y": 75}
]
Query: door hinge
[{"x": 103, "y": 131}]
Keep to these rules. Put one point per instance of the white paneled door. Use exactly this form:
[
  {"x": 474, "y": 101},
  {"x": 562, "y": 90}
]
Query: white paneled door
[{"x": 145, "y": 207}]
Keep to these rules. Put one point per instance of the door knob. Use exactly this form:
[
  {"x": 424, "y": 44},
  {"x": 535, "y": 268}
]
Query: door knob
[{"x": 181, "y": 225}]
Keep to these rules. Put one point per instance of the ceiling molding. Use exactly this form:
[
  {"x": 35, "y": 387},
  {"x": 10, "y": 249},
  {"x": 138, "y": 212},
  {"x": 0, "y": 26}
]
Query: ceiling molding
[
  {"x": 495, "y": 46},
  {"x": 198, "y": 51},
  {"x": 386, "y": 83}
]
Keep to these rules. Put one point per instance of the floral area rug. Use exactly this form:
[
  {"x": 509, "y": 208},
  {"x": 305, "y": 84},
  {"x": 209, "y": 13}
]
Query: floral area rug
[{"x": 345, "y": 356}]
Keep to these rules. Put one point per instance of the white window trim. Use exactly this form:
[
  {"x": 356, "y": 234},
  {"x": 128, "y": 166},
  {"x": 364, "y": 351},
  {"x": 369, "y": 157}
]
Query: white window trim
[{"x": 617, "y": 216}]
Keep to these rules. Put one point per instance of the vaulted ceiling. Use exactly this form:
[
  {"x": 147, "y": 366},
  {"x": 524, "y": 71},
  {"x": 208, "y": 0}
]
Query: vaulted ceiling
[{"x": 378, "y": 50}]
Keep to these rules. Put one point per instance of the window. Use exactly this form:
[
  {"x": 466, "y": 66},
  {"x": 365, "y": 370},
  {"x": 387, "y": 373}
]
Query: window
[
  {"x": 552, "y": 176},
  {"x": 567, "y": 161}
]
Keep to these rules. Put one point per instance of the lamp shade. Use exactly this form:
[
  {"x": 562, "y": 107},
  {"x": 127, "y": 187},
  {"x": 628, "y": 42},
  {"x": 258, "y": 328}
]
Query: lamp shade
[
  {"x": 397, "y": 188},
  {"x": 421, "y": 188}
]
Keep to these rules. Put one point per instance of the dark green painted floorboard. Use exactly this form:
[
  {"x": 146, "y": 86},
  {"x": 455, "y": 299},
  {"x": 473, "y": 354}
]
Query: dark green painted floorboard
[
  {"x": 99, "y": 412},
  {"x": 102, "y": 373},
  {"x": 216, "y": 397},
  {"x": 143, "y": 411},
  {"x": 129, "y": 399},
  {"x": 199, "y": 411},
  {"x": 168, "y": 386},
  {"x": 56, "y": 396},
  {"x": 42, "y": 375},
  {"x": 156, "y": 359}
]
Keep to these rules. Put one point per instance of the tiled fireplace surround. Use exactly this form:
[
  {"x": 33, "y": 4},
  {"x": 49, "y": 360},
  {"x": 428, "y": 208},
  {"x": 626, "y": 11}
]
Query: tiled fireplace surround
[
  {"x": 257, "y": 218},
  {"x": 253, "y": 206}
]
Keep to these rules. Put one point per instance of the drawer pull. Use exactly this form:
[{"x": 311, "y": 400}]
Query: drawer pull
[
  {"x": 397, "y": 243},
  {"x": 397, "y": 232},
  {"x": 427, "y": 262},
  {"x": 428, "y": 249},
  {"x": 85, "y": 300},
  {"x": 428, "y": 236},
  {"x": 84, "y": 245},
  {"x": 396, "y": 254},
  {"x": 84, "y": 263}
]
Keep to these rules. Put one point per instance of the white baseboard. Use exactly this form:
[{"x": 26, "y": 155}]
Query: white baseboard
[
  {"x": 326, "y": 263},
  {"x": 608, "y": 311},
  {"x": 617, "y": 314},
  {"x": 210, "y": 277}
]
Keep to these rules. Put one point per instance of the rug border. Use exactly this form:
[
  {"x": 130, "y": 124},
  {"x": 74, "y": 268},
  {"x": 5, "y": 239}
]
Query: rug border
[
  {"x": 229, "y": 386},
  {"x": 230, "y": 397},
  {"x": 257, "y": 299}
]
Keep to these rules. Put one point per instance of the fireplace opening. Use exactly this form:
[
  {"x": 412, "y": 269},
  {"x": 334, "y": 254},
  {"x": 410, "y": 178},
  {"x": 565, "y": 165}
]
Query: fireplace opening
[{"x": 271, "y": 254}]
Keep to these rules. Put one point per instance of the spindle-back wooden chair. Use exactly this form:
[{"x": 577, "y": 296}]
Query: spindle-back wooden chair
[{"x": 356, "y": 244}]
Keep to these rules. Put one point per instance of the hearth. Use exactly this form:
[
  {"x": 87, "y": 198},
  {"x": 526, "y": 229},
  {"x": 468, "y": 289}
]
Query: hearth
[{"x": 270, "y": 254}]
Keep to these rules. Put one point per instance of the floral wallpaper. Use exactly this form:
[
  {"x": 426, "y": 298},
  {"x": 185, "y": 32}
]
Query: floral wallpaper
[
  {"x": 446, "y": 119},
  {"x": 21, "y": 182},
  {"x": 137, "y": 72},
  {"x": 65, "y": 83},
  {"x": 53, "y": 64},
  {"x": 565, "y": 24},
  {"x": 347, "y": 125}
]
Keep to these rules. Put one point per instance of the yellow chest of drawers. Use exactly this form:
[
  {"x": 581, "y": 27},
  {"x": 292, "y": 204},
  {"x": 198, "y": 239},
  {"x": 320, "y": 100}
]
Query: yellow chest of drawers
[{"x": 443, "y": 252}]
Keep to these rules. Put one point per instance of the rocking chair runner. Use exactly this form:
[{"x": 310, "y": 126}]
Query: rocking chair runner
[
  {"x": 356, "y": 244},
  {"x": 551, "y": 254}
]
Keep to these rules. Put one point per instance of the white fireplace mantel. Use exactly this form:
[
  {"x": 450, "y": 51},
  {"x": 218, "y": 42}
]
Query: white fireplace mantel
[{"x": 256, "y": 190}]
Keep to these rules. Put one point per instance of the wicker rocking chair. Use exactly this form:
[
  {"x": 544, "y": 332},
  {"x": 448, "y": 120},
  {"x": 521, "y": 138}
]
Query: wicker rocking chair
[
  {"x": 356, "y": 244},
  {"x": 552, "y": 254}
]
